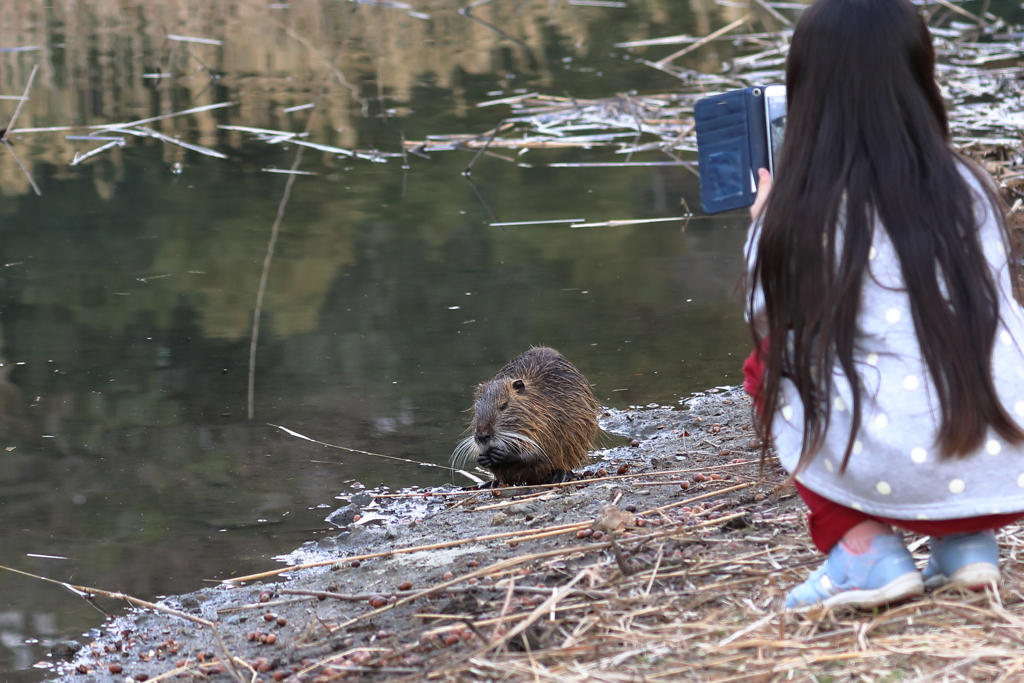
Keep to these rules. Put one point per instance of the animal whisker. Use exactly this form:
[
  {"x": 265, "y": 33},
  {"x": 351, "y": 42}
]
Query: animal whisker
[
  {"x": 508, "y": 440},
  {"x": 465, "y": 453}
]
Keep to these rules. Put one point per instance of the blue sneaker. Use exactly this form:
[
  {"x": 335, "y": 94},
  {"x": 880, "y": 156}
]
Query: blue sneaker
[
  {"x": 885, "y": 573},
  {"x": 969, "y": 561}
]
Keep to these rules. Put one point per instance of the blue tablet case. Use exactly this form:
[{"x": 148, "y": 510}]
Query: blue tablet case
[{"x": 732, "y": 143}]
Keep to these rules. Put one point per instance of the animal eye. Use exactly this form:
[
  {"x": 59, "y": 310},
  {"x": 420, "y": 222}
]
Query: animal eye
[
  {"x": 503, "y": 406},
  {"x": 519, "y": 386}
]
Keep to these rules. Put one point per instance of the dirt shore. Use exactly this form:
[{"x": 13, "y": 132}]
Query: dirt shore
[
  {"x": 667, "y": 562},
  {"x": 688, "y": 483}
]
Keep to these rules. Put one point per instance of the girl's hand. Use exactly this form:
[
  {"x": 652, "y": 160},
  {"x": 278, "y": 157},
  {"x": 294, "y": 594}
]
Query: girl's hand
[{"x": 764, "y": 188}]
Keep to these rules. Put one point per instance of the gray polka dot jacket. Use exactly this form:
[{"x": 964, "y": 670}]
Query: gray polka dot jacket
[{"x": 895, "y": 470}]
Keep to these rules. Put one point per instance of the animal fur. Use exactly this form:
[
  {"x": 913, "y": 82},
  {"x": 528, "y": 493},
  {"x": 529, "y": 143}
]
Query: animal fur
[{"x": 534, "y": 422}]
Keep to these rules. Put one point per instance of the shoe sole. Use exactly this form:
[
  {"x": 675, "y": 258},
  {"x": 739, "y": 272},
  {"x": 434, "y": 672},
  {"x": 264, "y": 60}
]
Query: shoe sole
[
  {"x": 907, "y": 586},
  {"x": 975, "y": 577}
]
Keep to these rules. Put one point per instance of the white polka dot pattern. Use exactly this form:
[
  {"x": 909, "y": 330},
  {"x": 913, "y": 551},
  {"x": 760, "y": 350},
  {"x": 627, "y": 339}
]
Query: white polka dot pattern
[{"x": 895, "y": 468}]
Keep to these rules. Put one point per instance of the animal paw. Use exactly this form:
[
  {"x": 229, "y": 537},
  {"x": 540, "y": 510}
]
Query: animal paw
[{"x": 494, "y": 458}]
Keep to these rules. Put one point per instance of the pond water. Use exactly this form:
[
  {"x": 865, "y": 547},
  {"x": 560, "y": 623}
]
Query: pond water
[{"x": 128, "y": 288}]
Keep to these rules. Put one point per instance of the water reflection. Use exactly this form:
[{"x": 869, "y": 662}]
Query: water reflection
[{"x": 127, "y": 290}]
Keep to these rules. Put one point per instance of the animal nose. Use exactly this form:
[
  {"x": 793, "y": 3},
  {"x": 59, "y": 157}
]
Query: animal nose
[{"x": 483, "y": 437}]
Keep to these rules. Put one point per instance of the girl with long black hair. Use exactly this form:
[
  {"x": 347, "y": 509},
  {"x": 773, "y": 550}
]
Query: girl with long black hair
[{"x": 889, "y": 373}]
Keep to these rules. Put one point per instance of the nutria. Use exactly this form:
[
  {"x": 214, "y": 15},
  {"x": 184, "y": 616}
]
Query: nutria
[{"x": 534, "y": 422}]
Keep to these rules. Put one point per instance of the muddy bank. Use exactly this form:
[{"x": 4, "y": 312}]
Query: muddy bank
[{"x": 687, "y": 483}]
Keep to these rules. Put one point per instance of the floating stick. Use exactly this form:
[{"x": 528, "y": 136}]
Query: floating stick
[
  {"x": 260, "y": 131},
  {"x": 287, "y": 170},
  {"x": 774, "y": 12},
  {"x": 325, "y": 148},
  {"x": 132, "y": 124},
  {"x": 79, "y": 158},
  {"x": 361, "y": 452},
  {"x": 506, "y": 100},
  {"x": 192, "y": 39},
  {"x": 635, "y": 221},
  {"x": 21, "y": 103},
  {"x": 144, "y": 132},
  {"x": 708, "y": 38},
  {"x": 614, "y": 164},
  {"x": 10, "y": 125},
  {"x": 560, "y": 220},
  {"x": 598, "y": 3}
]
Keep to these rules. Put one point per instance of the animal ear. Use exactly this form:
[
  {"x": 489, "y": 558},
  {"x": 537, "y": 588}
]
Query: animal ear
[{"x": 520, "y": 386}]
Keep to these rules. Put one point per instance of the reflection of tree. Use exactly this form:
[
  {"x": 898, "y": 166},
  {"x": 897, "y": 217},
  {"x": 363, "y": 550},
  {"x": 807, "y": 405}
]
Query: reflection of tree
[{"x": 98, "y": 61}]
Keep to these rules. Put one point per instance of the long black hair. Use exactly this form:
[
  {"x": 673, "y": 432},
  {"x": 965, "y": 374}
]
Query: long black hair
[{"x": 867, "y": 141}]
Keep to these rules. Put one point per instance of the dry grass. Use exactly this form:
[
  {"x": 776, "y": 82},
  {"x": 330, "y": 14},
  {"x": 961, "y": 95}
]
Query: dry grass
[{"x": 692, "y": 603}]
